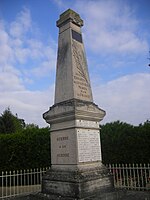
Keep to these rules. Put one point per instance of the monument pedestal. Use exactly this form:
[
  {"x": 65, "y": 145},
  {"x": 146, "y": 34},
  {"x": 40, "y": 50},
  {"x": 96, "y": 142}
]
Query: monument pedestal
[
  {"x": 112, "y": 195},
  {"x": 77, "y": 184},
  {"x": 77, "y": 171}
]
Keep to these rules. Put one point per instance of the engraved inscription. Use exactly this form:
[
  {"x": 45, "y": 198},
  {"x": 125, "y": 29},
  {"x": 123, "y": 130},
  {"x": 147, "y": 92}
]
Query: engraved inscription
[
  {"x": 88, "y": 145},
  {"x": 62, "y": 146},
  {"x": 80, "y": 61},
  {"x": 80, "y": 77},
  {"x": 62, "y": 138}
]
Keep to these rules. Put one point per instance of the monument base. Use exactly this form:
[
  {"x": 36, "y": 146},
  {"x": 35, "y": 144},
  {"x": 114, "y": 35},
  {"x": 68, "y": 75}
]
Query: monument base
[
  {"x": 79, "y": 184},
  {"x": 115, "y": 195}
]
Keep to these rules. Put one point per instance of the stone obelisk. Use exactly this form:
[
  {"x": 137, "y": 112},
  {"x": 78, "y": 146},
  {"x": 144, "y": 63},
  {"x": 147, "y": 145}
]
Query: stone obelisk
[{"x": 77, "y": 171}]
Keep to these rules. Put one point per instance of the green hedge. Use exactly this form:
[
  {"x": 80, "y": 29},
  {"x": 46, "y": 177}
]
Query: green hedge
[
  {"x": 121, "y": 143},
  {"x": 24, "y": 150},
  {"x": 124, "y": 143}
]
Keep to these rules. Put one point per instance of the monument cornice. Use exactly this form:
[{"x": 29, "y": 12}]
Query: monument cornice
[
  {"x": 73, "y": 127},
  {"x": 69, "y": 16},
  {"x": 74, "y": 109}
]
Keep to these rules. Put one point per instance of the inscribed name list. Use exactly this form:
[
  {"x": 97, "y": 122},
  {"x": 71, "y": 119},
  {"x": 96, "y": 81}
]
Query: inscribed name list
[
  {"x": 88, "y": 145},
  {"x": 81, "y": 79}
]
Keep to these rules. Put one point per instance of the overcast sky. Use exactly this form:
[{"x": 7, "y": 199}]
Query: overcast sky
[{"x": 116, "y": 36}]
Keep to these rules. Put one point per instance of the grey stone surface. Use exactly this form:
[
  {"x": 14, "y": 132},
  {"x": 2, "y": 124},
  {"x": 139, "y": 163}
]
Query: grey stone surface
[
  {"x": 77, "y": 170},
  {"x": 77, "y": 184},
  {"x": 72, "y": 77},
  {"x": 69, "y": 15},
  {"x": 116, "y": 195},
  {"x": 74, "y": 117},
  {"x": 74, "y": 134}
]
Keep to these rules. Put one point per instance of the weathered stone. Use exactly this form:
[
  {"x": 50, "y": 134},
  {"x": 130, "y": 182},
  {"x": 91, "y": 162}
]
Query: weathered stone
[
  {"x": 73, "y": 124},
  {"x": 72, "y": 78},
  {"x": 70, "y": 15},
  {"x": 115, "y": 195},
  {"x": 77, "y": 171},
  {"x": 77, "y": 184}
]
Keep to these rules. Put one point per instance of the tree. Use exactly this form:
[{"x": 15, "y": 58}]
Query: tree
[
  {"x": 10, "y": 123},
  {"x": 124, "y": 143},
  {"x": 25, "y": 150},
  {"x": 31, "y": 126}
]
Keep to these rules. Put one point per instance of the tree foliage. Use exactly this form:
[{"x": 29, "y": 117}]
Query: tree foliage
[
  {"x": 29, "y": 145},
  {"x": 25, "y": 150},
  {"x": 124, "y": 143},
  {"x": 22, "y": 146},
  {"x": 10, "y": 123}
]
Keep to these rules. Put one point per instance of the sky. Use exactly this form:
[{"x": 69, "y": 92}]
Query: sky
[{"x": 116, "y": 35}]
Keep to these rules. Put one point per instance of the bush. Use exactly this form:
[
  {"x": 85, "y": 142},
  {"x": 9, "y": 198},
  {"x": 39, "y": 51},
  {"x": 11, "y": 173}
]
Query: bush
[
  {"x": 124, "y": 143},
  {"x": 23, "y": 150}
]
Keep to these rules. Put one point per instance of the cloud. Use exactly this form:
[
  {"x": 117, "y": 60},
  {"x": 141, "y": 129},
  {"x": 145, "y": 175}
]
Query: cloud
[
  {"x": 9, "y": 79},
  {"x": 111, "y": 26},
  {"x": 6, "y": 51},
  {"x": 113, "y": 31},
  {"x": 29, "y": 105},
  {"x": 23, "y": 61},
  {"x": 48, "y": 54},
  {"x": 125, "y": 99},
  {"x": 22, "y": 24},
  {"x": 9, "y": 75},
  {"x": 29, "y": 56},
  {"x": 60, "y": 3}
]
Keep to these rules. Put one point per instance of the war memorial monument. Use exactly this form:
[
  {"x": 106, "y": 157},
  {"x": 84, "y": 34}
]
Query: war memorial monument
[{"x": 77, "y": 171}]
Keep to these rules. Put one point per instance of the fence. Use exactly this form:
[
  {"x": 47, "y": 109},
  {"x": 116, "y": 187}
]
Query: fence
[
  {"x": 133, "y": 177},
  {"x": 19, "y": 182}
]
